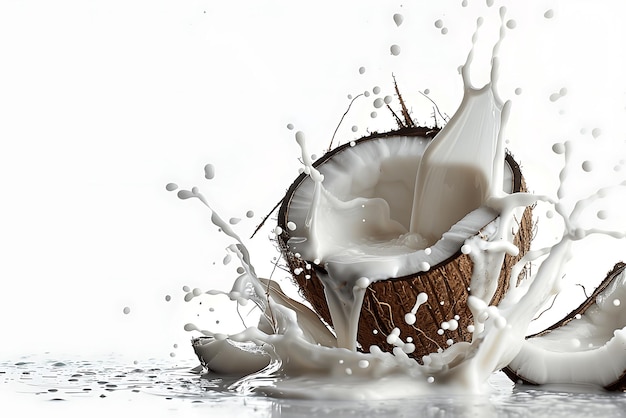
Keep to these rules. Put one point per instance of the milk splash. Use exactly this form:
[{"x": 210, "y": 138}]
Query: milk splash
[{"x": 291, "y": 351}]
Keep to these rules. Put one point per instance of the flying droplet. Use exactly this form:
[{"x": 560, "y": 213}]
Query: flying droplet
[
  {"x": 587, "y": 166},
  {"x": 126, "y": 310},
  {"x": 361, "y": 70},
  {"x": 373, "y": 115},
  {"x": 444, "y": 31},
  {"x": 209, "y": 171},
  {"x": 290, "y": 126},
  {"x": 596, "y": 132},
  {"x": 398, "y": 19},
  {"x": 439, "y": 23},
  {"x": 395, "y": 50},
  {"x": 378, "y": 103},
  {"x": 376, "y": 90},
  {"x": 170, "y": 187},
  {"x": 518, "y": 91},
  {"x": 355, "y": 128},
  {"x": 549, "y": 14},
  {"x": 511, "y": 24}
]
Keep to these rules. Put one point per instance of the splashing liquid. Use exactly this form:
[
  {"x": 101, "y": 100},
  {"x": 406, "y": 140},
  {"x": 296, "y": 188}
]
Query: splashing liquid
[{"x": 292, "y": 353}]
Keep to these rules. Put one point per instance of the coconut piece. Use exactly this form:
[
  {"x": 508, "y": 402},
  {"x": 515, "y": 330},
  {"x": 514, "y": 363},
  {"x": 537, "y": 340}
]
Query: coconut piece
[
  {"x": 587, "y": 347},
  {"x": 386, "y": 302}
]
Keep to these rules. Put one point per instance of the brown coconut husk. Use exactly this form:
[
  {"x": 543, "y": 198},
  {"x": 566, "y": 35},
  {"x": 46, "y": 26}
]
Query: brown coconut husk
[
  {"x": 387, "y": 302},
  {"x": 620, "y": 382}
]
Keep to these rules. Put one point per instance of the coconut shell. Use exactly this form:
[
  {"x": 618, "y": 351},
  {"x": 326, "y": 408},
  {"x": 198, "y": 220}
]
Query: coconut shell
[
  {"x": 386, "y": 302},
  {"x": 620, "y": 383}
]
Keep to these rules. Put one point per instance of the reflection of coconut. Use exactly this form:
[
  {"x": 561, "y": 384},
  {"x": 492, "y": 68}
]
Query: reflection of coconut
[
  {"x": 387, "y": 302},
  {"x": 588, "y": 346}
]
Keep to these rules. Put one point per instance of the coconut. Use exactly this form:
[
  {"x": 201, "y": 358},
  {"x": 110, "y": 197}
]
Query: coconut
[
  {"x": 362, "y": 167},
  {"x": 586, "y": 347}
]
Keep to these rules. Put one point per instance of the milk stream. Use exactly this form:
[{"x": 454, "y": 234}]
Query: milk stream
[{"x": 292, "y": 353}]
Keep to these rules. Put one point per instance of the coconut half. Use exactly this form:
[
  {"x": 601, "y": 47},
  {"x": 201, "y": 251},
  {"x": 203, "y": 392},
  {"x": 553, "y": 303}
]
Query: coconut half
[
  {"x": 587, "y": 347},
  {"x": 384, "y": 166}
]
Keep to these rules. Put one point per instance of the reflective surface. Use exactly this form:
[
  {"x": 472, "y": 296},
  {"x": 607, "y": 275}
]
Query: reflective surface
[{"x": 103, "y": 387}]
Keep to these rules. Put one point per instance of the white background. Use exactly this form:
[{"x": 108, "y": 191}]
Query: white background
[{"x": 102, "y": 103}]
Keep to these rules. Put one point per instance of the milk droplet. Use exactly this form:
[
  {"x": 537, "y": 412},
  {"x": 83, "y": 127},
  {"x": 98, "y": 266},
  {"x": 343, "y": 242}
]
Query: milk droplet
[
  {"x": 373, "y": 115},
  {"x": 511, "y": 24},
  {"x": 234, "y": 221},
  {"x": 186, "y": 288},
  {"x": 366, "y": 93},
  {"x": 170, "y": 187},
  {"x": 278, "y": 230},
  {"x": 587, "y": 166},
  {"x": 361, "y": 70},
  {"x": 376, "y": 90},
  {"x": 249, "y": 214},
  {"x": 355, "y": 128},
  {"x": 240, "y": 270},
  {"x": 349, "y": 97},
  {"x": 578, "y": 316},
  {"x": 168, "y": 298},
  {"x": 395, "y": 50},
  {"x": 466, "y": 249},
  {"x": 558, "y": 148},
  {"x": 209, "y": 171},
  {"x": 398, "y": 19},
  {"x": 363, "y": 282},
  {"x": 410, "y": 318},
  {"x": 464, "y": 3},
  {"x": 428, "y": 251},
  {"x": 352, "y": 143},
  {"x": 126, "y": 310},
  {"x": 227, "y": 259},
  {"x": 549, "y": 14},
  {"x": 518, "y": 91},
  {"x": 489, "y": 3},
  {"x": 450, "y": 341},
  {"x": 427, "y": 91},
  {"x": 470, "y": 328},
  {"x": 378, "y": 103},
  {"x": 444, "y": 31},
  {"x": 364, "y": 364},
  {"x": 601, "y": 214},
  {"x": 430, "y": 379},
  {"x": 291, "y": 226},
  {"x": 596, "y": 132},
  {"x": 197, "y": 292},
  {"x": 388, "y": 99},
  {"x": 617, "y": 302},
  {"x": 290, "y": 126},
  {"x": 439, "y": 23}
]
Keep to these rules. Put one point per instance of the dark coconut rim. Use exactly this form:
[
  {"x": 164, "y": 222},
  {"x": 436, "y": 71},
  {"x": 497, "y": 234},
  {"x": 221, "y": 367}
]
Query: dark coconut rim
[
  {"x": 620, "y": 383},
  {"x": 417, "y": 133}
]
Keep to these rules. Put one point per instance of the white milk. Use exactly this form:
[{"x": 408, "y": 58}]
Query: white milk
[{"x": 291, "y": 353}]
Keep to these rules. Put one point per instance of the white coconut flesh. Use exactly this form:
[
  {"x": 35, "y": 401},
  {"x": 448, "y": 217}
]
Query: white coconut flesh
[
  {"x": 588, "y": 347},
  {"x": 366, "y": 209}
]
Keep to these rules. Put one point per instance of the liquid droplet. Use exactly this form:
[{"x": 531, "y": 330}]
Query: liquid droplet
[
  {"x": 549, "y": 14},
  {"x": 290, "y": 126},
  {"x": 489, "y": 3},
  {"x": 378, "y": 103},
  {"x": 234, "y": 221},
  {"x": 439, "y": 23},
  {"x": 126, "y": 310},
  {"x": 587, "y": 166},
  {"x": 376, "y": 90},
  {"x": 444, "y": 31},
  {"x": 395, "y": 50},
  {"x": 168, "y": 298},
  {"x": 373, "y": 115},
  {"x": 518, "y": 91},
  {"x": 361, "y": 70},
  {"x": 170, "y": 187},
  {"x": 511, "y": 24},
  {"x": 355, "y": 128},
  {"x": 209, "y": 171},
  {"x": 596, "y": 132},
  {"x": 398, "y": 19}
]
